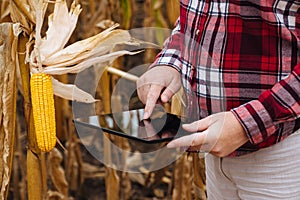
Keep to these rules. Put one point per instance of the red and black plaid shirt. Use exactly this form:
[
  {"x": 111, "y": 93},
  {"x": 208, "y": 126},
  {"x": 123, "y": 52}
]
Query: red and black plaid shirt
[{"x": 241, "y": 56}]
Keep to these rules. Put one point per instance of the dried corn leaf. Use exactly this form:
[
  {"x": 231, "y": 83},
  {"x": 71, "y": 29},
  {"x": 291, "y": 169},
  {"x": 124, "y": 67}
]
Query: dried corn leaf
[
  {"x": 54, "y": 195},
  {"x": 57, "y": 173},
  {"x": 174, "y": 6},
  {"x": 182, "y": 179},
  {"x": 137, "y": 177},
  {"x": 105, "y": 23},
  {"x": 61, "y": 26},
  {"x": 90, "y": 47},
  {"x": 4, "y": 12},
  {"x": 87, "y": 63},
  {"x": 92, "y": 171},
  {"x": 71, "y": 92},
  {"x": 158, "y": 192},
  {"x": 17, "y": 16},
  {"x": 32, "y": 6},
  {"x": 40, "y": 8},
  {"x": 25, "y": 9},
  {"x": 8, "y": 42}
]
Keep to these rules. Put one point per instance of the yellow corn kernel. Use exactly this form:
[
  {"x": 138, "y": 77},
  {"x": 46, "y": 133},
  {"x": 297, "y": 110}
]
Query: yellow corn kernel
[{"x": 43, "y": 111}]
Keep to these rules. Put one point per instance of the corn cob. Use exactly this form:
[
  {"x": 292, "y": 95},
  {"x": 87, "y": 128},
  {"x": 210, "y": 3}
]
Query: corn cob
[{"x": 43, "y": 111}]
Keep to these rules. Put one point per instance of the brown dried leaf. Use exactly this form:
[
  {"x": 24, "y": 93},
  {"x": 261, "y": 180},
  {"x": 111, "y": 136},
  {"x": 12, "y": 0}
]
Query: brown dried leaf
[
  {"x": 57, "y": 173},
  {"x": 32, "y": 6},
  {"x": 93, "y": 171},
  {"x": 8, "y": 42},
  {"x": 24, "y": 8},
  {"x": 137, "y": 177},
  {"x": 158, "y": 192},
  {"x": 4, "y": 12},
  {"x": 182, "y": 178},
  {"x": 54, "y": 195},
  {"x": 17, "y": 16}
]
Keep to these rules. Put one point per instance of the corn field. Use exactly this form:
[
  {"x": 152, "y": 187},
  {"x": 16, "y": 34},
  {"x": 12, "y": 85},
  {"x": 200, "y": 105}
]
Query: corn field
[{"x": 30, "y": 168}]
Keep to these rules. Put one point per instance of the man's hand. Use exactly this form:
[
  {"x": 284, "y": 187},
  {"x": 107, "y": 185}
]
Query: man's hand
[
  {"x": 159, "y": 82},
  {"x": 220, "y": 134}
]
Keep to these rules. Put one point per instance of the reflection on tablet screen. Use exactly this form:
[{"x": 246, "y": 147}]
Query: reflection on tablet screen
[{"x": 160, "y": 127}]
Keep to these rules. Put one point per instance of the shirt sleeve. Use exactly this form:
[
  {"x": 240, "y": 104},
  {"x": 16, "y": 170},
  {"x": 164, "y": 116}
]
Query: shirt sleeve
[
  {"x": 170, "y": 54},
  {"x": 279, "y": 104}
]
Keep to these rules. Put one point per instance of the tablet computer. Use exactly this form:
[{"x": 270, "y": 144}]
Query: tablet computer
[{"x": 160, "y": 127}]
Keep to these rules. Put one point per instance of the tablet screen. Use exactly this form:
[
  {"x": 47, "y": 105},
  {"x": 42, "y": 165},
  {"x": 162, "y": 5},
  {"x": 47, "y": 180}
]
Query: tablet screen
[{"x": 160, "y": 127}]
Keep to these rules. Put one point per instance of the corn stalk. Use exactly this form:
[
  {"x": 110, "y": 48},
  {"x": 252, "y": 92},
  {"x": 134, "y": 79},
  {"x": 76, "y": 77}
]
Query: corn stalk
[{"x": 36, "y": 175}]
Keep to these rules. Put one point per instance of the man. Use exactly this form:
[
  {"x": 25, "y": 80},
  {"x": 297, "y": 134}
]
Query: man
[{"x": 239, "y": 64}]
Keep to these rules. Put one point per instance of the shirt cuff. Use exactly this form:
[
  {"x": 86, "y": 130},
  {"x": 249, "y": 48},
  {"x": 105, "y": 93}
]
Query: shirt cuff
[
  {"x": 170, "y": 57},
  {"x": 256, "y": 121}
]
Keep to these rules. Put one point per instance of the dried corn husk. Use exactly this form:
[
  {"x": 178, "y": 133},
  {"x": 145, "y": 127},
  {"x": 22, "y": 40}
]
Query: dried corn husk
[
  {"x": 61, "y": 24},
  {"x": 99, "y": 44},
  {"x": 23, "y": 12},
  {"x": 55, "y": 59},
  {"x": 87, "y": 63},
  {"x": 71, "y": 92}
]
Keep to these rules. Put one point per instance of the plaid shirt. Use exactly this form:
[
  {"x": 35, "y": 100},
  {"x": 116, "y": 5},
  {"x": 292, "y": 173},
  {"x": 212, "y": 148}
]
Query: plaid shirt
[{"x": 241, "y": 56}]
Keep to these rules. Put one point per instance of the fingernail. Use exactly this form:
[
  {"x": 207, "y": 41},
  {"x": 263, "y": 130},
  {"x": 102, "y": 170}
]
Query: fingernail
[
  {"x": 186, "y": 126},
  {"x": 171, "y": 145},
  {"x": 190, "y": 127},
  {"x": 164, "y": 98}
]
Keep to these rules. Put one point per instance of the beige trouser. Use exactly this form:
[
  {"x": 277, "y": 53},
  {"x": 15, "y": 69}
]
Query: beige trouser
[{"x": 271, "y": 173}]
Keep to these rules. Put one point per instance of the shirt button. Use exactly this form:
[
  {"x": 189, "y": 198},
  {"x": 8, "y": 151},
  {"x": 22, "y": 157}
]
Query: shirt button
[{"x": 197, "y": 31}]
